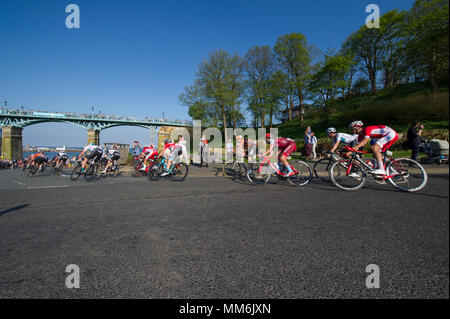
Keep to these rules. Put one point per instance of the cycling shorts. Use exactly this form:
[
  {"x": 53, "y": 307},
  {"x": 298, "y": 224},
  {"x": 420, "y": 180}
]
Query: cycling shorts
[
  {"x": 113, "y": 157},
  {"x": 385, "y": 142},
  {"x": 290, "y": 148},
  {"x": 95, "y": 154},
  {"x": 40, "y": 160}
]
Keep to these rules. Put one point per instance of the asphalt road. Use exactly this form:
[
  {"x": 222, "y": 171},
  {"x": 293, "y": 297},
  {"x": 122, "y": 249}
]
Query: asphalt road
[{"x": 211, "y": 237}]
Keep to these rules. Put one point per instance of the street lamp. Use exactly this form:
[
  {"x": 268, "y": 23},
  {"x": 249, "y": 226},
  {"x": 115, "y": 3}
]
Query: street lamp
[{"x": 92, "y": 109}]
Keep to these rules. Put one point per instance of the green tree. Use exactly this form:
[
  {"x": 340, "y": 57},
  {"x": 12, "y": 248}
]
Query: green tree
[
  {"x": 428, "y": 46},
  {"x": 376, "y": 47},
  {"x": 295, "y": 57},
  {"x": 217, "y": 92},
  {"x": 329, "y": 81},
  {"x": 260, "y": 67}
]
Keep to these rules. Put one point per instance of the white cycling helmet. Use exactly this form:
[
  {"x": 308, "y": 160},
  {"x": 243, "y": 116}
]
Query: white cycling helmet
[
  {"x": 355, "y": 124},
  {"x": 331, "y": 130}
]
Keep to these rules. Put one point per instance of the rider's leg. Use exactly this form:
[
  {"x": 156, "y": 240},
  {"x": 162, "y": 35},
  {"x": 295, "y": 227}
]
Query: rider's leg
[
  {"x": 376, "y": 149},
  {"x": 83, "y": 164},
  {"x": 283, "y": 159}
]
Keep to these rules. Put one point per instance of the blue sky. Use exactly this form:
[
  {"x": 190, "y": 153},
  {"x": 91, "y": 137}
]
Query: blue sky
[{"x": 135, "y": 57}]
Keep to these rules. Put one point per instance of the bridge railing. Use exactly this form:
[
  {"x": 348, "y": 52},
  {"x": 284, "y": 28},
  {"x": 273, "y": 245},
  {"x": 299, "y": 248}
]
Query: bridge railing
[{"x": 86, "y": 116}]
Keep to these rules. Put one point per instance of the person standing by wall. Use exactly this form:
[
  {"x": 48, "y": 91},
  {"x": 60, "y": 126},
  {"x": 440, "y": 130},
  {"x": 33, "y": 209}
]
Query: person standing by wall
[
  {"x": 185, "y": 155},
  {"x": 135, "y": 151},
  {"x": 414, "y": 138}
]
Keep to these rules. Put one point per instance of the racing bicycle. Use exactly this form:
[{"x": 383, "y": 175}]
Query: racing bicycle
[
  {"x": 403, "y": 173},
  {"x": 259, "y": 173}
]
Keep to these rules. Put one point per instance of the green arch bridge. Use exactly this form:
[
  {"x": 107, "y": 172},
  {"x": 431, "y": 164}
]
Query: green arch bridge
[{"x": 14, "y": 121}]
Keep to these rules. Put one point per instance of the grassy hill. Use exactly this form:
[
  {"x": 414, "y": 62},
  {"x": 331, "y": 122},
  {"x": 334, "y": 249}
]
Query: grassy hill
[{"x": 397, "y": 107}]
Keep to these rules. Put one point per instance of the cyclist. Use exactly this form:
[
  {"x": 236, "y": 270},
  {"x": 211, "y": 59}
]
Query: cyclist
[
  {"x": 112, "y": 156},
  {"x": 338, "y": 138},
  {"x": 171, "y": 151},
  {"x": 39, "y": 159},
  {"x": 286, "y": 146},
  {"x": 93, "y": 152},
  {"x": 60, "y": 157},
  {"x": 148, "y": 153},
  {"x": 381, "y": 139}
]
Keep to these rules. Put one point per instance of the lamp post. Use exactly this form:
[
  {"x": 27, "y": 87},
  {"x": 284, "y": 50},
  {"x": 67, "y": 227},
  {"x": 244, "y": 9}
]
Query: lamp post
[{"x": 92, "y": 109}]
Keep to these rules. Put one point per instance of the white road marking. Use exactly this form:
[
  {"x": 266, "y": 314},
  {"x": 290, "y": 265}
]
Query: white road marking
[
  {"x": 58, "y": 186},
  {"x": 20, "y": 183}
]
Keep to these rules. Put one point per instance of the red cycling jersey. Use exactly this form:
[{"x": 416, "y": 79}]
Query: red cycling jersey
[
  {"x": 375, "y": 131},
  {"x": 286, "y": 145},
  {"x": 38, "y": 154}
]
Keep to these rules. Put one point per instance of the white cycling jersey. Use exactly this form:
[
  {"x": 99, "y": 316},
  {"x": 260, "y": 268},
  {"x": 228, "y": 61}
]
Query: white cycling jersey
[
  {"x": 345, "y": 138},
  {"x": 113, "y": 152}
]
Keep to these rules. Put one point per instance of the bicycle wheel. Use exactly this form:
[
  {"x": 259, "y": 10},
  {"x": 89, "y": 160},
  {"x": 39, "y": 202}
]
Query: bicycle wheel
[
  {"x": 410, "y": 176},
  {"x": 179, "y": 172},
  {"x": 258, "y": 174},
  {"x": 304, "y": 175},
  {"x": 352, "y": 181},
  {"x": 137, "y": 170},
  {"x": 91, "y": 172},
  {"x": 33, "y": 170},
  {"x": 154, "y": 174},
  {"x": 114, "y": 170},
  {"x": 321, "y": 166},
  {"x": 228, "y": 169},
  {"x": 76, "y": 172}
]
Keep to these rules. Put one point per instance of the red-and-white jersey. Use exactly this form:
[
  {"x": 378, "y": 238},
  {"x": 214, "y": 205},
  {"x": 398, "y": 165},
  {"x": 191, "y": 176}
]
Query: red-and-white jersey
[
  {"x": 375, "y": 132},
  {"x": 169, "y": 145},
  {"x": 149, "y": 152},
  {"x": 281, "y": 142}
]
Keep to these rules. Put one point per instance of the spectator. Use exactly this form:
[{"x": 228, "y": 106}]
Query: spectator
[
  {"x": 204, "y": 152},
  {"x": 308, "y": 135},
  {"x": 414, "y": 138},
  {"x": 135, "y": 150},
  {"x": 313, "y": 143},
  {"x": 185, "y": 155},
  {"x": 229, "y": 151}
]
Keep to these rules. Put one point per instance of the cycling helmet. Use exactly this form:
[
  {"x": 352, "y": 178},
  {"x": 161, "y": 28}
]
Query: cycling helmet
[
  {"x": 331, "y": 130},
  {"x": 355, "y": 124},
  {"x": 268, "y": 136},
  {"x": 167, "y": 141}
]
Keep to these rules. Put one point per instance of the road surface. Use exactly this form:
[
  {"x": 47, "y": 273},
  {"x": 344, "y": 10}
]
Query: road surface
[{"x": 211, "y": 237}]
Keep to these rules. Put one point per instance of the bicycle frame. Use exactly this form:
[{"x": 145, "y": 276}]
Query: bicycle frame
[
  {"x": 266, "y": 159},
  {"x": 163, "y": 162},
  {"x": 370, "y": 170}
]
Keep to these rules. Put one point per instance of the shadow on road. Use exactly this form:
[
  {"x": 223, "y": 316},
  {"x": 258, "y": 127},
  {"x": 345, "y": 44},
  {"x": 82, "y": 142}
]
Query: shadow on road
[{"x": 13, "y": 209}]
